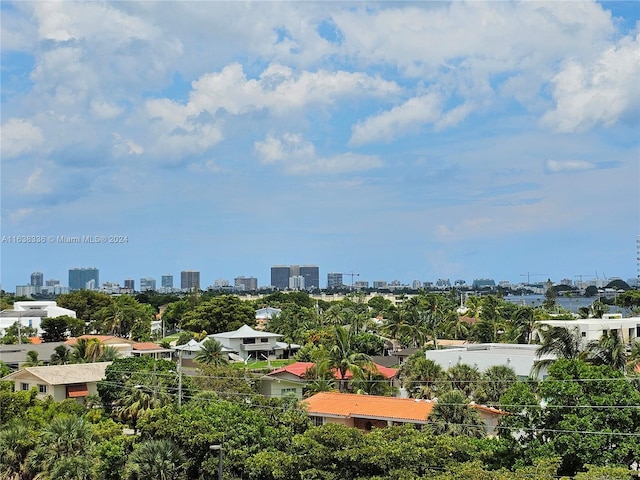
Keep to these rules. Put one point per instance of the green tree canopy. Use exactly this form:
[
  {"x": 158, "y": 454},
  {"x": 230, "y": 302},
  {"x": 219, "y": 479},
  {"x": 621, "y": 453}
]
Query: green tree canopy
[{"x": 220, "y": 314}]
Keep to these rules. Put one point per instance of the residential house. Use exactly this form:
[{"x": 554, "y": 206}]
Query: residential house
[
  {"x": 368, "y": 411},
  {"x": 246, "y": 343},
  {"x": 291, "y": 379},
  {"x": 60, "y": 381}
]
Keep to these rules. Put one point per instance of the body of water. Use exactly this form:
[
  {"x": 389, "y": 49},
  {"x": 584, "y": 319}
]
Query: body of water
[{"x": 572, "y": 304}]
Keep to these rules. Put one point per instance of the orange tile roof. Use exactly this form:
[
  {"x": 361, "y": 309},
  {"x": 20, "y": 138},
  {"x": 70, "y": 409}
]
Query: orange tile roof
[
  {"x": 35, "y": 340},
  {"x": 299, "y": 369},
  {"x": 348, "y": 405},
  {"x": 74, "y": 340}
]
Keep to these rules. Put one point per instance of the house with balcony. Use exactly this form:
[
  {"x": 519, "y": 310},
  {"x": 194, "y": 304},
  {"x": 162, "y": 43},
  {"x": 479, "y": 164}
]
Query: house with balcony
[
  {"x": 246, "y": 343},
  {"x": 31, "y": 313}
]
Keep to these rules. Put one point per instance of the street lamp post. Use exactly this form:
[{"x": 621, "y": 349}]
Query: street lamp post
[{"x": 218, "y": 448}]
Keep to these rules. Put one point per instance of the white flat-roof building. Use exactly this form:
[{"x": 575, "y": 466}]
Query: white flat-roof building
[
  {"x": 30, "y": 314},
  {"x": 591, "y": 329},
  {"x": 520, "y": 357}
]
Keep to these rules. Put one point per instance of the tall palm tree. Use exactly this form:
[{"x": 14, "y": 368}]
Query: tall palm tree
[
  {"x": 87, "y": 350},
  {"x": 32, "y": 359},
  {"x": 559, "y": 342},
  {"x": 453, "y": 416},
  {"x": 156, "y": 460},
  {"x": 342, "y": 358},
  {"x": 138, "y": 399},
  {"x": 609, "y": 349},
  {"x": 211, "y": 353}
]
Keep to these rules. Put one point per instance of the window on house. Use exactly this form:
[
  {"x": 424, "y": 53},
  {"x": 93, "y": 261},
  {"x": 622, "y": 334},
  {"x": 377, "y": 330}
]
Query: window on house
[
  {"x": 317, "y": 421},
  {"x": 248, "y": 341},
  {"x": 42, "y": 388},
  {"x": 584, "y": 334},
  {"x": 24, "y": 386},
  {"x": 264, "y": 340},
  {"x": 288, "y": 391}
]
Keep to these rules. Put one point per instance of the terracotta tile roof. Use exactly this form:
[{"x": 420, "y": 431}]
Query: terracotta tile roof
[
  {"x": 35, "y": 340},
  {"x": 348, "y": 405},
  {"x": 300, "y": 368},
  {"x": 485, "y": 408}
]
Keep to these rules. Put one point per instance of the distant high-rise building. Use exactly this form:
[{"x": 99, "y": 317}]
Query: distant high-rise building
[
  {"x": 311, "y": 274},
  {"x": 334, "y": 280},
  {"x": 480, "y": 283},
  {"x": 416, "y": 284},
  {"x": 52, "y": 283},
  {"x": 221, "y": 283},
  {"x": 280, "y": 276},
  {"x": 167, "y": 281},
  {"x": 296, "y": 282},
  {"x": 147, "y": 284},
  {"x": 379, "y": 284},
  {"x": 37, "y": 279},
  {"x": 361, "y": 284},
  {"x": 130, "y": 284},
  {"x": 84, "y": 278},
  {"x": 246, "y": 284},
  {"x": 189, "y": 280}
]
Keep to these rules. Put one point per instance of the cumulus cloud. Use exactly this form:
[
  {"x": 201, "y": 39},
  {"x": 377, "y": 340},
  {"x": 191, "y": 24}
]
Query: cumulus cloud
[
  {"x": 601, "y": 92},
  {"x": 298, "y": 157},
  {"x": 19, "y": 136},
  {"x": 409, "y": 116}
]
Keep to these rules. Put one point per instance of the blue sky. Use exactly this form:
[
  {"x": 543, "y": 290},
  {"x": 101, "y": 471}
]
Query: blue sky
[{"x": 399, "y": 140}]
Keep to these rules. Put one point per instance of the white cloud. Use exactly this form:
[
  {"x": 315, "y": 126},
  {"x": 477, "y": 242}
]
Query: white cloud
[
  {"x": 105, "y": 110},
  {"x": 409, "y": 116},
  {"x": 558, "y": 166},
  {"x": 587, "y": 94},
  {"x": 298, "y": 157},
  {"x": 19, "y": 136},
  {"x": 36, "y": 184},
  {"x": 123, "y": 146}
]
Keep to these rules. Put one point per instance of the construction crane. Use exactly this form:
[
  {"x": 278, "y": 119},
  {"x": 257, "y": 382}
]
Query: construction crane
[
  {"x": 528, "y": 275},
  {"x": 351, "y": 274}
]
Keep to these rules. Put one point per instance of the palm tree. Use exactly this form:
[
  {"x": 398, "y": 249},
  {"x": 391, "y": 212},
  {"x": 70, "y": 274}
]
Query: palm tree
[
  {"x": 67, "y": 436},
  {"x": 109, "y": 354},
  {"x": 32, "y": 359},
  {"x": 60, "y": 356},
  {"x": 87, "y": 350},
  {"x": 609, "y": 350},
  {"x": 464, "y": 378},
  {"x": 16, "y": 440},
  {"x": 211, "y": 353},
  {"x": 138, "y": 399},
  {"x": 422, "y": 377},
  {"x": 319, "y": 385},
  {"x": 558, "y": 342},
  {"x": 342, "y": 358},
  {"x": 495, "y": 381},
  {"x": 453, "y": 416},
  {"x": 156, "y": 460}
]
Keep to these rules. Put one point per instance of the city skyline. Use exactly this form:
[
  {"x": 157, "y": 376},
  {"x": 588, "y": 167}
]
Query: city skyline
[
  {"x": 396, "y": 140},
  {"x": 528, "y": 278}
]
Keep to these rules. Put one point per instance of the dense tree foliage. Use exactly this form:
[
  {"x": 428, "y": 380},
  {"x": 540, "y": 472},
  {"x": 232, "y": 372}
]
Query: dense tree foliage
[{"x": 220, "y": 314}]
